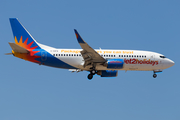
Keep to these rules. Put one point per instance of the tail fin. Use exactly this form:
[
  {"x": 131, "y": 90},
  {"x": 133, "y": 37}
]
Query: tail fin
[{"x": 22, "y": 37}]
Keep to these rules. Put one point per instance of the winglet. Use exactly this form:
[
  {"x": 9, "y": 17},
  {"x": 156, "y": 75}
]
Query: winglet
[{"x": 79, "y": 38}]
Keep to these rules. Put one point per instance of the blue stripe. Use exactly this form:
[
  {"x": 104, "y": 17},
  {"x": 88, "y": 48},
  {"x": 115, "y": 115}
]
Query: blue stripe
[{"x": 50, "y": 60}]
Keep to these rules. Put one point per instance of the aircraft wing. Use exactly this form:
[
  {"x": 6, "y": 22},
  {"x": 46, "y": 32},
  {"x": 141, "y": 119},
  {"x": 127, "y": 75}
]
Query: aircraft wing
[{"x": 88, "y": 53}]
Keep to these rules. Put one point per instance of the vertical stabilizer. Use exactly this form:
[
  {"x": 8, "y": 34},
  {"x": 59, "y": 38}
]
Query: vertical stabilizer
[{"x": 22, "y": 37}]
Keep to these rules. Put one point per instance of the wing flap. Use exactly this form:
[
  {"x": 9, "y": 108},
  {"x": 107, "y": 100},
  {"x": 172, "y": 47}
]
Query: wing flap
[{"x": 17, "y": 48}]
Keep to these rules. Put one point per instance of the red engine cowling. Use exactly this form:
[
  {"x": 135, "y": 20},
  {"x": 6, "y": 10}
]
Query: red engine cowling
[
  {"x": 108, "y": 73},
  {"x": 115, "y": 63}
]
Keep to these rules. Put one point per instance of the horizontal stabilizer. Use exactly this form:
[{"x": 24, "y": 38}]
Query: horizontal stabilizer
[
  {"x": 8, "y": 53},
  {"x": 17, "y": 48}
]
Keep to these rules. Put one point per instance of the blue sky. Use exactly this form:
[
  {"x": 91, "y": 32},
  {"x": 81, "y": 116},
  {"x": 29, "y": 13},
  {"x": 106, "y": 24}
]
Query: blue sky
[{"x": 32, "y": 92}]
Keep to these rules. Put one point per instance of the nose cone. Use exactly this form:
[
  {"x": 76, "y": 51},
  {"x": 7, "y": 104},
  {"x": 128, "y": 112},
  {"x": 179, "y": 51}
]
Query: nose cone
[{"x": 170, "y": 63}]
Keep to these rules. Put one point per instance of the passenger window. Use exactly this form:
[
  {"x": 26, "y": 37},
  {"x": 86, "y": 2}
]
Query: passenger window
[
  {"x": 134, "y": 55},
  {"x": 121, "y": 55},
  {"x": 66, "y": 54},
  {"x": 71, "y": 54},
  {"x": 53, "y": 54},
  {"x": 74, "y": 54},
  {"x": 111, "y": 55},
  {"x": 114, "y": 55},
  {"x": 106, "y": 55},
  {"x": 140, "y": 56},
  {"x": 137, "y": 55},
  {"x": 79, "y": 54},
  {"x": 61, "y": 54},
  {"x": 56, "y": 54},
  {"x": 124, "y": 55},
  {"x": 129, "y": 55}
]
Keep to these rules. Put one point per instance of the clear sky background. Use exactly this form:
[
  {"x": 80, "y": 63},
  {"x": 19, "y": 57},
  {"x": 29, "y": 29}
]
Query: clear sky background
[{"x": 32, "y": 92}]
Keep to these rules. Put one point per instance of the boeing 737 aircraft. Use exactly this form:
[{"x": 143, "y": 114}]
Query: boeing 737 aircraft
[{"x": 105, "y": 63}]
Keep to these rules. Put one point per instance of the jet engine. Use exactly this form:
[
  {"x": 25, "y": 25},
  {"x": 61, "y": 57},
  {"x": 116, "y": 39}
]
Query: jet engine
[
  {"x": 114, "y": 63},
  {"x": 108, "y": 73}
]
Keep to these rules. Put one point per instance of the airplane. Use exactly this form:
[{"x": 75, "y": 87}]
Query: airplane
[{"x": 103, "y": 62}]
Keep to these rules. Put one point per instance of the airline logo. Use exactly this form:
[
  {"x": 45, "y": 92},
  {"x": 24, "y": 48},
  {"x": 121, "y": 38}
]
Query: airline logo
[
  {"x": 24, "y": 44},
  {"x": 144, "y": 61},
  {"x": 32, "y": 50}
]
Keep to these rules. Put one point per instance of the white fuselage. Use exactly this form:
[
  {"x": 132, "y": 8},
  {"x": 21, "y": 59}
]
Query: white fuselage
[{"x": 133, "y": 59}]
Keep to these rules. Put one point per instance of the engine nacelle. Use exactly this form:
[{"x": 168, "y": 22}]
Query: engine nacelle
[
  {"x": 108, "y": 73},
  {"x": 115, "y": 63}
]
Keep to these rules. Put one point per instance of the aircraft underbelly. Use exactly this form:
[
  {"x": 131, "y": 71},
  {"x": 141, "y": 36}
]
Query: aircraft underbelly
[
  {"x": 131, "y": 67},
  {"x": 75, "y": 62}
]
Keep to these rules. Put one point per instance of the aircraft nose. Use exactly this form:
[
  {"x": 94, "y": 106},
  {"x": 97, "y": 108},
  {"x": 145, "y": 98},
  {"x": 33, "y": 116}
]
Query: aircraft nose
[{"x": 170, "y": 62}]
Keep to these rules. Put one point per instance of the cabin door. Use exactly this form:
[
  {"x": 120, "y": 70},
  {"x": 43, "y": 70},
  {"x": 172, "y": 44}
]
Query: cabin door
[{"x": 153, "y": 57}]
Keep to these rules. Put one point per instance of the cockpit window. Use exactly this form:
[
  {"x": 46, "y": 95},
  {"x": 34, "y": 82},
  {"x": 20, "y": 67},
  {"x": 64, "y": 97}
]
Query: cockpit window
[{"x": 162, "y": 56}]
